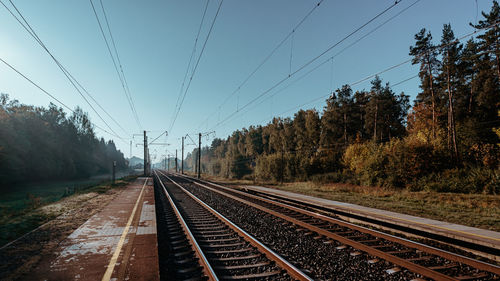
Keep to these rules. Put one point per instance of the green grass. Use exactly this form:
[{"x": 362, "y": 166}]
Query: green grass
[
  {"x": 22, "y": 208},
  {"x": 17, "y": 198},
  {"x": 476, "y": 210}
]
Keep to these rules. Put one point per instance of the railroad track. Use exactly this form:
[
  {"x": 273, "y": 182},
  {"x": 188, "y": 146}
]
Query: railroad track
[
  {"x": 424, "y": 260},
  {"x": 204, "y": 245},
  {"x": 479, "y": 250}
]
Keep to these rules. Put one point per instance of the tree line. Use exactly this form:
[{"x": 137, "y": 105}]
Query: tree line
[
  {"x": 38, "y": 143},
  {"x": 448, "y": 140}
]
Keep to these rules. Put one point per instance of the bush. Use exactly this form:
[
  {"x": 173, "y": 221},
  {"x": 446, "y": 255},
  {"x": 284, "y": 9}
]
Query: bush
[
  {"x": 463, "y": 180},
  {"x": 268, "y": 167},
  {"x": 240, "y": 167},
  {"x": 365, "y": 161},
  {"x": 328, "y": 178},
  {"x": 396, "y": 163}
]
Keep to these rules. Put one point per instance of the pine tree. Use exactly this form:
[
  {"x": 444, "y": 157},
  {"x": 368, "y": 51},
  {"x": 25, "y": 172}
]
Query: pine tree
[
  {"x": 337, "y": 121},
  {"x": 490, "y": 40},
  {"x": 425, "y": 54},
  {"x": 385, "y": 112},
  {"x": 467, "y": 83},
  {"x": 373, "y": 109},
  {"x": 450, "y": 51}
]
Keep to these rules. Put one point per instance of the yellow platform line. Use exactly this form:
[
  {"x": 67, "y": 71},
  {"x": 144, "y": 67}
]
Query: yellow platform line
[{"x": 114, "y": 258}]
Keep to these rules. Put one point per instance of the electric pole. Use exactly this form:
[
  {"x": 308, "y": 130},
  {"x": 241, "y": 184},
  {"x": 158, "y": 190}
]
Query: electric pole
[
  {"x": 182, "y": 157},
  {"x": 199, "y": 155},
  {"x": 114, "y": 171},
  {"x": 149, "y": 163},
  {"x": 168, "y": 162},
  {"x": 145, "y": 153},
  {"x": 194, "y": 160},
  {"x": 176, "y": 160},
  {"x": 282, "y": 164}
]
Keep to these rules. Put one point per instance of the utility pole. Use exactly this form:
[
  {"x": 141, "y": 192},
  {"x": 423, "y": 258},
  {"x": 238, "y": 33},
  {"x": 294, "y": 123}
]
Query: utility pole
[
  {"x": 114, "y": 171},
  {"x": 176, "y": 160},
  {"x": 182, "y": 157},
  {"x": 195, "y": 160},
  {"x": 145, "y": 153},
  {"x": 282, "y": 164},
  {"x": 168, "y": 162},
  {"x": 130, "y": 150},
  {"x": 149, "y": 163},
  {"x": 199, "y": 155}
]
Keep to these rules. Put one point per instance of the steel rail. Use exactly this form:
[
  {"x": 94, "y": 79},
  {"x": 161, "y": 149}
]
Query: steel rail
[
  {"x": 478, "y": 249},
  {"x": 270, "y": 254},
  {"x": 206, "y": 267},
  {"x": 406, "y": 242},
  {"x": 389, "y": 257}
]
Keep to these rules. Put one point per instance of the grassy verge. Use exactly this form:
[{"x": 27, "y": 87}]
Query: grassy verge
[
  {"x": 30, "y": 207},
  {"x": 476, "y": 210}
]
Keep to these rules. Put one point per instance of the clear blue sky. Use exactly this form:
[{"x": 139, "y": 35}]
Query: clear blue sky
[{"x": 155, "y": 39}]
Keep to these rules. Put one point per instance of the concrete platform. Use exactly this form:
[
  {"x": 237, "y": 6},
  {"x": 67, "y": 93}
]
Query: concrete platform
[
  {"x": 465, "y": 233},
  {"x": 118, "y": 243}
]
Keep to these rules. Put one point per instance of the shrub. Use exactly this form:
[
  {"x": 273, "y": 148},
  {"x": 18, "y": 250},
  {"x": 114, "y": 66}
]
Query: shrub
[
  {"x": 396, "y": 163},
  {"x": 365, "y": 161},
  {"x": 328, "y": 178},
  {"x": 461, "y": 180},
  {"x": 268, "y": 167}
]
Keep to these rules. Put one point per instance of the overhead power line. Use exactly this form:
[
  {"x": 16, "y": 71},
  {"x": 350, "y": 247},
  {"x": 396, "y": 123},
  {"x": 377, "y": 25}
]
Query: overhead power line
[
  {"x": 121, "y": 67},
  {"x": 166, "y": 134},
  {"x": 190, "y": 60},
  {"x": 119, "y": 72},
  {"x": 24, "y": 23},
  {"x": 330, "y": 58},
  {"x": 52, "y": 96},
  {"x": 266, "y": 58},
  {"x": 196, "y": 66},
  {"x": 405, "y": 80},
  {"x": 388, "y": 69},
  {"x": 308, "y": 63}
]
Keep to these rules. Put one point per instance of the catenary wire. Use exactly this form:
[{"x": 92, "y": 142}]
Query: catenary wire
[
  {"x": 130, "y": 102},
  {"x": 385, "y": 70},
  {"x": 196, "y": 65},
  {"x": 50, "y": 95},
  {"x": 393, "y": 66},
  {"x": 266, "y": 58},
  {"x": 120, "y": 64},
  {"x": 68, "y": 75},
  {"x": 308, "y": 63},
  {"x": 331, "y": 58},
  {"x": 190, "y": 59}
]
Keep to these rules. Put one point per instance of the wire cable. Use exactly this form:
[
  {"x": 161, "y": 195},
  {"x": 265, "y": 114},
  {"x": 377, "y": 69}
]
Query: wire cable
[
  {"x": 50, "y": 95},
  {"x": 266, "y": 58},
  {"x": 120, "y": 64},
  {"x": 196, "y": 66},
  {"x": 190, "y": 59},
  {"x": 388, "y": 69},
  {"x": 308, "y": 62},
  {"x": 122, "y": 79},
  {"x": 68, "y": 75},
  {"x": 332, "y": 58}
]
